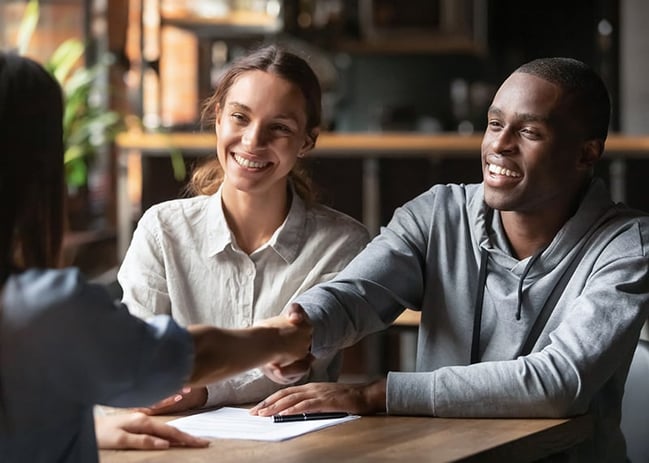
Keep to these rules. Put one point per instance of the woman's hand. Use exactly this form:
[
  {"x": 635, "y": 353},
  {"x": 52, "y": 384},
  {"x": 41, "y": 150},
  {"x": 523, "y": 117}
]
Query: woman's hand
[
  {"x": 362, "y": 399},
  {"x": 187, "y": 399},
  {"x": 139, "y": 431}
]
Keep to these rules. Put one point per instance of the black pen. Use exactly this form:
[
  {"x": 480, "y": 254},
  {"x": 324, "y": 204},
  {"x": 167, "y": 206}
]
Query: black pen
[{"x": 308, "y": 417}]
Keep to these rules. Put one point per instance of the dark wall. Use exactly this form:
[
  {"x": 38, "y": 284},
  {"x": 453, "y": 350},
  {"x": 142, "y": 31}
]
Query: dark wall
[{"x": 519, "y": 34}]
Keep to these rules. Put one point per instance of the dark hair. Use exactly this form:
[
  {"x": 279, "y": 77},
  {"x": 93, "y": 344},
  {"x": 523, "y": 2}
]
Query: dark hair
[
  {"x": 585, "y": 89},
  {"x": 31, "y": 166},
  {"x": 207, "y": 178}
]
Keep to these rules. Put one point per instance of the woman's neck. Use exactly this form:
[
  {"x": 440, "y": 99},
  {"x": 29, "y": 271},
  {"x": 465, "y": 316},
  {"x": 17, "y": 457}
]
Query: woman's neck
[{"x": 254, "y": 218}]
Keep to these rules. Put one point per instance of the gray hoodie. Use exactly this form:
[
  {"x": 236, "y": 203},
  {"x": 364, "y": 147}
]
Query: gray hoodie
[{"x": 587, "y": 292}]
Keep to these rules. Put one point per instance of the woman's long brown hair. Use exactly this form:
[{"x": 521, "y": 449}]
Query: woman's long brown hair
[{"x": 208, "y": 177}]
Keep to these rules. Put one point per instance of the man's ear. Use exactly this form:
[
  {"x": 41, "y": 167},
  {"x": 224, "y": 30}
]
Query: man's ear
[
  {"x": 309, "y": 142},
  {"x": 591, "y": 152}
]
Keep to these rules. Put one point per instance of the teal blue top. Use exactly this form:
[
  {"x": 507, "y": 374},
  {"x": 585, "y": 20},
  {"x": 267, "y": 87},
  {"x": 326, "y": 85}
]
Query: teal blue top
[{"x": 66, "y": 346}]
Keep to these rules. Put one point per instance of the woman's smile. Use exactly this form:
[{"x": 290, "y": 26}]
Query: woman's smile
[{"x": 249, "y": 163}]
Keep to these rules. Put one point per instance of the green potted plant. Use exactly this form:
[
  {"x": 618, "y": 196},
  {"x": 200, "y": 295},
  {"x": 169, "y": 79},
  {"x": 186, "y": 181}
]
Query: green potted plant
[{"x": 87, "y": 126}]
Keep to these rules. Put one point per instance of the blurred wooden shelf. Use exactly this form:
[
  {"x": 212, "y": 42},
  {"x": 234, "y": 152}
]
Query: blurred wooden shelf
[{"x": 365, "y": 144}]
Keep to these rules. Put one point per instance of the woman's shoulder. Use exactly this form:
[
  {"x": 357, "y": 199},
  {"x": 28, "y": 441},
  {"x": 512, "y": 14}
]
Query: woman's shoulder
[
  {"x": 39, "y": 282},
  {"x": 172, "y": 207},
  {"x": 176, "y": 210},
  {"x": 36, "y": 291},
  {"x": 329, "y": 220}
]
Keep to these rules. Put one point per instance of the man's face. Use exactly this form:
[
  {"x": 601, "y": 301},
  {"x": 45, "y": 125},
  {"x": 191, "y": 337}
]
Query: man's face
[{"x": 532, "y": 148}]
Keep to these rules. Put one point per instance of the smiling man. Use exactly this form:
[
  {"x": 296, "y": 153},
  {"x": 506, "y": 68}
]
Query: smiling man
[{"x": 532, "y": 286}]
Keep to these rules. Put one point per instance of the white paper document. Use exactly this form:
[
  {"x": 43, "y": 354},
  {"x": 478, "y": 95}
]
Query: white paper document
[{"x": 237, "y": 423}]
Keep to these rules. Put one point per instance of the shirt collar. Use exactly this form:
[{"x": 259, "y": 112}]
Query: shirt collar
[
  {"x": 286, "y": 241},
  {"x": 218, "y": 233},
  {"x": 289, "y": 237}
]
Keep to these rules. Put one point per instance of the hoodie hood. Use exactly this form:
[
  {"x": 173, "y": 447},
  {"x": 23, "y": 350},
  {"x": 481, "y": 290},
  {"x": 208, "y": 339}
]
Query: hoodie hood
[
  {"x": 509, "y": 277},
  {"x": 491, "y": 234}
]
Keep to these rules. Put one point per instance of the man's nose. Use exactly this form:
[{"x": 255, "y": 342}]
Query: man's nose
[{"x": 502, "y": 142}]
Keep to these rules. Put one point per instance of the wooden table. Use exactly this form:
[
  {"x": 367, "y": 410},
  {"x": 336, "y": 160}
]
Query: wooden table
[{"x": 391, "y": 439}]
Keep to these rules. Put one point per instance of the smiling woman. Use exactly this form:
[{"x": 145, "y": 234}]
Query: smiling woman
[{"x": 253, "y": 237}]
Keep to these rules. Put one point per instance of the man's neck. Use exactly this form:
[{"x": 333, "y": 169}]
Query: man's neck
[
  {"x": 527, "y": 233},
  {"x": 530, "y": 231}
]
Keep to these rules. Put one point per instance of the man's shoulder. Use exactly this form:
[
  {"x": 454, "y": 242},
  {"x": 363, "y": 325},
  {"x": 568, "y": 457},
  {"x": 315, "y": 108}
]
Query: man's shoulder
[
  {"x": 623, "y": 216},
  {"x": 448, "y": 197}
]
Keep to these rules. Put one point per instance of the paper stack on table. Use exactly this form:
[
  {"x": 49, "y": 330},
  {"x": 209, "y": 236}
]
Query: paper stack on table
[{"x": 237, "y": 423}]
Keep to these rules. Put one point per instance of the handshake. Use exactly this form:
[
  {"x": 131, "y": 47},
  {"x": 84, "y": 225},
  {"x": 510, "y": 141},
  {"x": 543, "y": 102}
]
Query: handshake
[
  {"x": 286, "y": 370},
  {"x": 282, "y": 344}
]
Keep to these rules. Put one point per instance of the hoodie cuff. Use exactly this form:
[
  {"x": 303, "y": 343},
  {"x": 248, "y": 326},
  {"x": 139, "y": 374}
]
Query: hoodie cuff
[{"x": 410, "y": 394}]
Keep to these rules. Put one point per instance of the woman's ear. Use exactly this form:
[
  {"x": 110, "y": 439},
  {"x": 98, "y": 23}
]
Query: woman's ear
[
  {"x": 591, "y": 152},
  {"x": 217, "y": 116},
  {"x": 309, "y": 142}
]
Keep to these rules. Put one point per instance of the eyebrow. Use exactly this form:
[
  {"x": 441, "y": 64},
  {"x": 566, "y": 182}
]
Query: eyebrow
[
  {"x": 242, "y": 107},
  {"x": 524, "y": 117}
]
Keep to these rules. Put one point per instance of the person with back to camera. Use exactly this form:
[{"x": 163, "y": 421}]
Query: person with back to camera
[
  {"x": 253, "y": 237},
  {"x": 533, "y": 285},
  {"x": 64, "y": 344}
]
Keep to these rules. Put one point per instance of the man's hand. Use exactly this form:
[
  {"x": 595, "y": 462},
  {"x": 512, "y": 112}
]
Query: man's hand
[
  {"x": 139, "y": 431},
  {"x": 187, "y": 399},
  {"x": 295, "y": 332},
  {"x": 363, "y": 399},
  {"x": 290, "y": 373}
]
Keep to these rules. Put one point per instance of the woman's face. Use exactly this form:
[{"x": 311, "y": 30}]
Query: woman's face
[{"x": 261, "y": 131}]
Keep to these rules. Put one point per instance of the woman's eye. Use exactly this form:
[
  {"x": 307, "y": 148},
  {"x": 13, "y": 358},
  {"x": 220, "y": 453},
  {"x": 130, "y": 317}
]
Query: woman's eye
[
  {"x": 282, "y": 128},
  {"x": 238, "y": 117}
]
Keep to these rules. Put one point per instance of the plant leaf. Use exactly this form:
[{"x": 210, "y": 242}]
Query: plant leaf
[
  {"x": 27, "y": 26},
  {"x": 72, "y": 153},
  {"x": 76, "y": 173},
  {"x": 64, "y": 58}
]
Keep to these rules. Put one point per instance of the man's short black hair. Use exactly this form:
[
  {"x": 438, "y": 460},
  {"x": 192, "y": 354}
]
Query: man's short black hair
[{"x": 585, "y": 88}]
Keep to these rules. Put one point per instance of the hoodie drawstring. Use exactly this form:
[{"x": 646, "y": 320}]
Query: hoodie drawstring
[
  {"x": 479, "y": 298},
  {"x": 526, "y": 270},
  {"x": 477, "y": 307}
]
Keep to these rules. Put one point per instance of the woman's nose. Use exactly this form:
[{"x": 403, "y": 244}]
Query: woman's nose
[{"x": 252, "y": 137}]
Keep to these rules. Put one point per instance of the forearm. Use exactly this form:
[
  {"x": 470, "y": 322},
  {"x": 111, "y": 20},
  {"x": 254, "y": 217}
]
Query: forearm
[
  {"x": 370, "y": 292},
  {"x": 375, "y": 396},
  {"x": 533, "y": 386},
  {"x": 219, "y": 353}
]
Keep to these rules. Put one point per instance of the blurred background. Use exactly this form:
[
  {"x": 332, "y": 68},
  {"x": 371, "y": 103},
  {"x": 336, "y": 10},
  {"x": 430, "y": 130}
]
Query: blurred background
[{"x": 423, "y": 68}]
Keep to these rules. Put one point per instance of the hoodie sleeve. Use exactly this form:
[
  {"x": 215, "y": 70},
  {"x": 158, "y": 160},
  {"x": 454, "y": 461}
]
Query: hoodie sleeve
[
  {"x": 378, "y": 284},
  {"x": 584, "y": 351}
]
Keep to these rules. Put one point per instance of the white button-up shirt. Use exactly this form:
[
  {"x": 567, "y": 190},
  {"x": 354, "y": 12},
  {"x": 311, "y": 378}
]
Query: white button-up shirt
[{"x": 184, "y": 261}]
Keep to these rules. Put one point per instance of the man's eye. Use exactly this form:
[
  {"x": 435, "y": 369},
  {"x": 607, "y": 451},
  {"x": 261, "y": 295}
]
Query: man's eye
[
  {"x": 495, "y": 124},
  {"x": 530, "y": 133}
]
